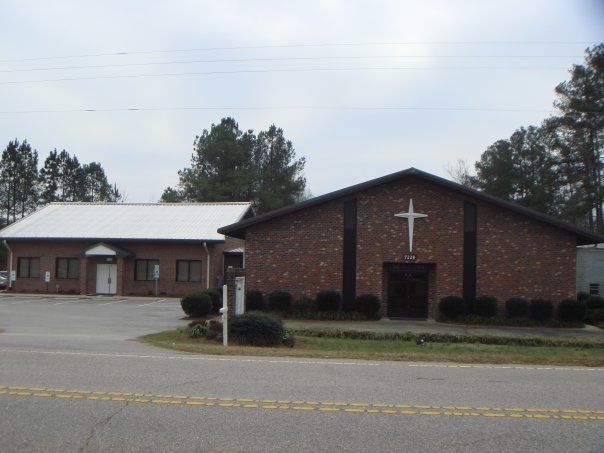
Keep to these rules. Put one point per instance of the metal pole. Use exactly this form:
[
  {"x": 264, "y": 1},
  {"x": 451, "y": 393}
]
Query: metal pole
[{"x": 225, "y": 316}]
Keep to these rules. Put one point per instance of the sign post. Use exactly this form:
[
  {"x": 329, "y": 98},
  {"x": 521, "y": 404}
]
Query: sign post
[
  {"x": 156, "y": 276},
  {"x": 224, "y": 311}
]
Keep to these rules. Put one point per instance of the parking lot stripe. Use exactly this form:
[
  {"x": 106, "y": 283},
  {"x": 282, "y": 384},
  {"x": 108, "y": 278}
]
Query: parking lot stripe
[
  {"x": 151, "y": 303},
  {"x": 114, "y": 302}
]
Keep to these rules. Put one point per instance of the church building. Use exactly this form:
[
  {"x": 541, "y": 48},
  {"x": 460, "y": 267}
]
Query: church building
[{"x": 411, "y": 238}]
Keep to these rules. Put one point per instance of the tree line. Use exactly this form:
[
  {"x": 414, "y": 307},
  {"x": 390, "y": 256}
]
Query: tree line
[
  {"x": 556, "y": 167},
  {"x": 229, "y": 164},
  {"x": 24, "y": 186}
]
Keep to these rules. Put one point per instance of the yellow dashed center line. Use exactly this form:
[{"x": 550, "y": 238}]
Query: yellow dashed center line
[{"x": 309, "y": 406}]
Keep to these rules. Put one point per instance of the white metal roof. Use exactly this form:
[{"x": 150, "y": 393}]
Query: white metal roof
[{"x": 123, "y": 221}]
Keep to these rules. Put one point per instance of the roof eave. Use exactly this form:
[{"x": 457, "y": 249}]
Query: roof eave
[{"x": 584, "y": 236}]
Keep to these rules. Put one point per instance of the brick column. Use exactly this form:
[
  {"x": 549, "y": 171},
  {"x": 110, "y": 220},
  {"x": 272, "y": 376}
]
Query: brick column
[{"x": 231, "y": 274}]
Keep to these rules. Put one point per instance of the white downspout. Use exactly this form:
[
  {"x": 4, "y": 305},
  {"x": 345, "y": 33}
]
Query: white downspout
[
  {"x": 205, "y": 246},
  {"x": 10, "y": 265}
]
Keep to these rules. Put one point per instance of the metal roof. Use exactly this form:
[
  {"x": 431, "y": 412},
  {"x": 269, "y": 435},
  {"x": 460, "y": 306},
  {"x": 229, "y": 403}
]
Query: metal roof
[
  {"x": 583, "y": 236},
  {"x": 127, "y": 221}
]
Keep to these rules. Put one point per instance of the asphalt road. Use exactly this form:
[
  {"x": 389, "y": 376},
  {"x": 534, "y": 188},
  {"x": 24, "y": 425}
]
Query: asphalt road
[{"x": 72, "y": 378}]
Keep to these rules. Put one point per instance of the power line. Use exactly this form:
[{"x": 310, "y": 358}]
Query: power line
[
  {"x": 284, "y": 107},
  {"x": 246, "y": 60},
  {"x": 300, "y": 45},
  {"x": 285, "y": 70}
]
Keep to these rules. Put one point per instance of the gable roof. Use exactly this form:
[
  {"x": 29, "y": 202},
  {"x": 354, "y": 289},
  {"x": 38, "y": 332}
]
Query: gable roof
[
  {"x": 127, "y": 221},
  {"x": 583, "y": 236}
]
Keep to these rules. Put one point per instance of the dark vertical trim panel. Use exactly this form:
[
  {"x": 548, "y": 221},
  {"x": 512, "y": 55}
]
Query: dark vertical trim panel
[
  {"x": 349, "y": 269},
  {"x": 469, "y": 250}
]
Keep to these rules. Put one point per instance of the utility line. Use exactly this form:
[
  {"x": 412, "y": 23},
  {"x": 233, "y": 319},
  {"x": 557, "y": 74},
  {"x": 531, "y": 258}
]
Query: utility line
[
  {"x": 246, "y": 60},
  {"x": 300, "y": 45},
  {"x": 263, "y": 71},
  {"x": 284, "y": 107}
]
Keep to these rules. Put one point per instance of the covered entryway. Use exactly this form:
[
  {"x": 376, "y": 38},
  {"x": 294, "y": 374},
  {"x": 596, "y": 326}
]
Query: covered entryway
[
  {"x": 407, "y": 290},
  {"x": 106, "y": 279}
]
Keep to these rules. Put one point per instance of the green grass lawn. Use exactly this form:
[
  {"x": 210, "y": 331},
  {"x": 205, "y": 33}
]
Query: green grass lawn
[{"x": 390, "y": 350}]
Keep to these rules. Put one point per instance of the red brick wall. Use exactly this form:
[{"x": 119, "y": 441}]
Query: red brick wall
[
  {"x": 302, "y": 252},
  {"x": 167, "y": 253}
]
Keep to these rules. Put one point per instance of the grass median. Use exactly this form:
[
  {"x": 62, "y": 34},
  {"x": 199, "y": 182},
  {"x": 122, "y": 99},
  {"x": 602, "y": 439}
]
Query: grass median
[{"x": 395, "y": 350}]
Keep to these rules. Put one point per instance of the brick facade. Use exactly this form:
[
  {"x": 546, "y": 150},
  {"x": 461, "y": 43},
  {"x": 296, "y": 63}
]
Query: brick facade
[
  {"x": 301, "y": 252},
  {"x": 166, "y": 252}
]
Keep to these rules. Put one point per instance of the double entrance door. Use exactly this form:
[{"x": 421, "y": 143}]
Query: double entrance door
[
  {"x": 407, "y": 290},
  {"x": 106, "y": 278}
]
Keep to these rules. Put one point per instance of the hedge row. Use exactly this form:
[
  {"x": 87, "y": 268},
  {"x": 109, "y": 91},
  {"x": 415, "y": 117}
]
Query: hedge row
[
  {"x": 444, "y": 338},
  {"x": 540, "y": 310},
  {"x": 327, "y": 302}
]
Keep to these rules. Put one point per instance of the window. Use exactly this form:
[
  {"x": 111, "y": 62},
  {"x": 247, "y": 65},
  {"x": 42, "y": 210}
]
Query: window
[
  {"x": 188, "y": 271},
  {"x": 594, "y": 288},
  {"x": 29, "y": 267},
  {"x": 144, "y": 269},
  {"x": 67, "y": 268}
]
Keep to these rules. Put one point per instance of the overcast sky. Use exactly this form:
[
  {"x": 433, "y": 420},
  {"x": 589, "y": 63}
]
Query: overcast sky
[{"x": 519, "y": 51}]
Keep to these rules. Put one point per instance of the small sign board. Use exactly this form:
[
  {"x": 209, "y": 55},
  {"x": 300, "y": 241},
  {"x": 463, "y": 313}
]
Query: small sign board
[
  {"x": 409, "y": 257},
  {"x": 156, "y": 271},
  {"x": 13, "y": 276},
  {"x": 47, "y": 276}
]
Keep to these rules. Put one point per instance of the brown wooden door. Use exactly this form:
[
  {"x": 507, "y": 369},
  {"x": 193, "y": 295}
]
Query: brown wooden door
[{"x": 407, "y": 291}]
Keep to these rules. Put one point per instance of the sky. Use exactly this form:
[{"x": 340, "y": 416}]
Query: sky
[{"x": 361, "y": 88}]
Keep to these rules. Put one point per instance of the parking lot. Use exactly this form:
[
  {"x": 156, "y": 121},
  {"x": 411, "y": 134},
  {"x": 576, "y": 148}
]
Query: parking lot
[{"x": 84, "y": 323}]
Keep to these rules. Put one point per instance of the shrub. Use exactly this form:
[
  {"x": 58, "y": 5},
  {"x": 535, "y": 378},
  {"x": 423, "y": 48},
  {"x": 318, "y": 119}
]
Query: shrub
[
  {"x": 368, "y": 304},
  {"x": 571, "y": 310},
  {"x": 216, "y": 298},
  {"x": 254, "y": 300},
  {"x": 582, "y": 296},
  {"x": 594, "y": 302},
  {"x": 329, "y": 301},
  {"x": 280, "y": 301},
  {"x": 304, "y": 304},
  {"x": 196, "y": 304},
  {"x": 199, "y": 330},
  {"x": 516, "y": 307},
  {"x": 256, "y": 328},
  {"x": 452, "y": 306},
  {"x": 595, "y": 315},
  {"x": 541, "y": 309},
  {"x": 485, "y": 306}
]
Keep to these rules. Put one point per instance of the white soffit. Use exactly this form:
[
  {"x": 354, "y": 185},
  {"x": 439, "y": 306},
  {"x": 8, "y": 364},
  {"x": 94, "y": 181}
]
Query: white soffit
[{"x": 100, "y": 250}]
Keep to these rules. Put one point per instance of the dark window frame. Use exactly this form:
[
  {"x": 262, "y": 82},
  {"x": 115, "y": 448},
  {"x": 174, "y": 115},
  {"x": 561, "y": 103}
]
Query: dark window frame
[
  {"x": 189, "y": 280},
  {"x": 594, "y": 289},
  {"x": 29, "y": 267},
  {"x": 149, "y": 269},
  {"x": 70, "y": 275}
]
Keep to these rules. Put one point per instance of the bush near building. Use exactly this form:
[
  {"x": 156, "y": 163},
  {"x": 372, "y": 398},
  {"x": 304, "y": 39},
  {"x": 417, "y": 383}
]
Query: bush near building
[
  {"x": 329, "y": 301},
  {"x": 541, "y": 310},
  {"x": 254, "y": 300},
  {"x": 453, "y": 307},
  {"x": 280, "y": 301},
  {"x": 196, "y": 304},
  {"x": 516, "y": 307},
  {"x": 369, "y": 305},
  {"x": 571, "y": 310},
  {"x": 485, "y": 306}
]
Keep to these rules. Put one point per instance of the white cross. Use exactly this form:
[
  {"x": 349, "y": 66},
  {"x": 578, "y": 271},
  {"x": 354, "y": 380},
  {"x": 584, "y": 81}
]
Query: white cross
[{"x": 410, "y": 216}]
